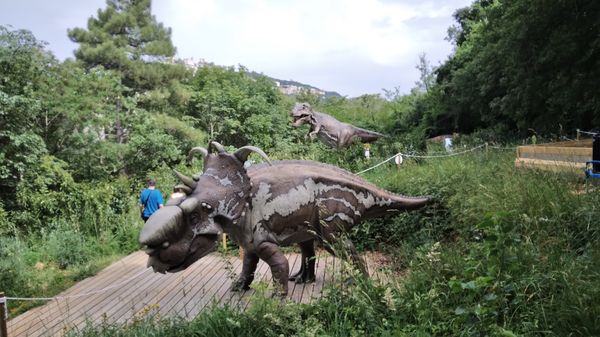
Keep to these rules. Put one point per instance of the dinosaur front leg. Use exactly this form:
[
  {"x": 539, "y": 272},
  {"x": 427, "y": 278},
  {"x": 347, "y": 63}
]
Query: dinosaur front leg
[
  {"x": 247, "y": 275},
  {"x": 270, "y": 253},
  {"x": 306, "y": 274},
  {"x": 313, "y": 133}
]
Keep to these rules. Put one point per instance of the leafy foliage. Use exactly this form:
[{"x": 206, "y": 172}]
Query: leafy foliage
[
  {"x": 126, "y": 38},
  {"x": 521, "y": 64}
]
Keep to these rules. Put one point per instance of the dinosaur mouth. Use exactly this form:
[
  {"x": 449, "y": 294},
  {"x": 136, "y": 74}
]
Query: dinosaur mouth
[
  {"x": 202, "y": 246},
  {"x": 298, "y": 120}
]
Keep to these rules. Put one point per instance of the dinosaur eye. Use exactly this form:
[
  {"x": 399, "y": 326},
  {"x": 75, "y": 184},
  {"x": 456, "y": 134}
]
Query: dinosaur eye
[{"x": 207, "y": 206}]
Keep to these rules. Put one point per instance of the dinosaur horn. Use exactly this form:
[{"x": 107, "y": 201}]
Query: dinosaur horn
[
  {"x": 217, "y": 146},
  {"x": 193, "y": 151},
  {"x": 242, "y": 153},
  {"x": 186, "y": 189},
  {"x": 188, "y": 181}
]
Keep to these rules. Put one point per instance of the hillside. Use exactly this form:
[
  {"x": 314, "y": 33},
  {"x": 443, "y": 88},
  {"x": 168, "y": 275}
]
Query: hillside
[{"x": 291, "y": 87}]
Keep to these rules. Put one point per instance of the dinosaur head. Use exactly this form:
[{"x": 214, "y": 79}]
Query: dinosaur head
[
  {"x": 189, "y": 227},
  {"x": 301, "y": 113}
]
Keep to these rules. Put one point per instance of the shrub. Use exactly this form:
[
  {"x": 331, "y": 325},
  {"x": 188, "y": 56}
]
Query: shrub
[
  {"x": 67, "y": 247},
  {"x": 12, "y": 264}
]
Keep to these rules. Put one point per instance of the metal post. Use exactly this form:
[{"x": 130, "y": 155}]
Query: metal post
[
  {"x": 596, "y": 152},
  {"x": 3, "y": 330}
]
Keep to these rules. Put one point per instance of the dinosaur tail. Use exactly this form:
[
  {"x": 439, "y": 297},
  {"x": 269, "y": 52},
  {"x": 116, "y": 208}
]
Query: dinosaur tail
[
  {"x": 397, "y": 203},
  {"x": 367, "y": 136}
]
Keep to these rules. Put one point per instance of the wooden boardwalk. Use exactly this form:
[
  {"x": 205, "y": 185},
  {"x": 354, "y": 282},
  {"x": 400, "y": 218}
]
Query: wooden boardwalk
[{"x": 130, "y": 291}]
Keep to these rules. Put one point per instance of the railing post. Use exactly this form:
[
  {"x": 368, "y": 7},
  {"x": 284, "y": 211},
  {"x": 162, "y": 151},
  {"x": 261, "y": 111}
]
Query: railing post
[
  {"x": 3, "y": 318},
  {"x": 596, "y": 152}
]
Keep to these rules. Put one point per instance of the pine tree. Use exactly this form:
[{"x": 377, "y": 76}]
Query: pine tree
[{"x": 126, "y": 37}]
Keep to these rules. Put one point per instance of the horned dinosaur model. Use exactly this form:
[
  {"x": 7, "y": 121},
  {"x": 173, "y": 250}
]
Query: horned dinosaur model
[
  {"x": 268, "y": 205},
  {"x": 328, "y": 129}
]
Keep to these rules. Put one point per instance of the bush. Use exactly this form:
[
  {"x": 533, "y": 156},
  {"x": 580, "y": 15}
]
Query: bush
[
  {"x": 67, "y": 247},
  {"x": 12, "y": 264}
]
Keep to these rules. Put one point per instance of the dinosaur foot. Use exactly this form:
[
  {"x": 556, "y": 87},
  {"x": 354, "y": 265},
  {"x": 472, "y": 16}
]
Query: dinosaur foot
[
  {"x": 240, "y": 285},
  {"x": 302, "y": 277}
]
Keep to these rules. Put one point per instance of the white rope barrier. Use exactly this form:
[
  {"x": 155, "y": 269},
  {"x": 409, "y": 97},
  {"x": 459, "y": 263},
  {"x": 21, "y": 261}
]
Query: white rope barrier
[
  {"x": 7, "y": 298},
  {"x": 445, "y": 155},
  {"x": 588, "y": 133},
  {"x": 433, "y": 156},
  {"x": 383, "y": 162}
]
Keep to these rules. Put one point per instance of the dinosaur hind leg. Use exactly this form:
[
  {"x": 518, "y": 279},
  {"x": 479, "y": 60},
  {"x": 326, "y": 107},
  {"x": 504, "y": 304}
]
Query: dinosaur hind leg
[
  {"x": 306, "y": 274},
  {"x": 345, "y": 249}
]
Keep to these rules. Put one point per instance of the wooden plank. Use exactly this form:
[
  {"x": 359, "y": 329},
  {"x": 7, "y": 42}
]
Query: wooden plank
[
  {"x": 262, "y": 274},
  {"x": 223, "y": 292},
  {"x": 103, "y": 307},
  {"x": 321, "y": 275},
  {"x": 299, "y": 288},
  {"x": 202, "y": 289},
  {"x": 146, "y": 299},
  {"x": 206, "y": 295},
  {"x": 185, "y": 294},
  {"x": 557, "y": 150},
  {"x": 309, "y": 289},
  {"x": 179, "y": 294},
  {"x": 51, "y": 316},
  {"x": 550, "y": 165},
  {"x": 80, "y": 287},
  {"x": 53, "y": 319}
]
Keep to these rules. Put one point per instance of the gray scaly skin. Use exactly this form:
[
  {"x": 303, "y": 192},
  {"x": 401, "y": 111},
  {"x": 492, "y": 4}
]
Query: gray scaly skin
[
  {"x": 328, "y": 129},
  {"x": 263, "y": 208}
]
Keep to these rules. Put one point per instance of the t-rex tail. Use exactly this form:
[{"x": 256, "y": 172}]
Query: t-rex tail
[{"x": 367, "y": 136}]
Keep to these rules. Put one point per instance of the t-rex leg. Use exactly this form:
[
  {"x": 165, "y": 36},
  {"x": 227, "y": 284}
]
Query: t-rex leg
[
  {"x": 270, "y": 253},
  {"x": 247, "y": 275},
  {"x": 306, "y": 274}
]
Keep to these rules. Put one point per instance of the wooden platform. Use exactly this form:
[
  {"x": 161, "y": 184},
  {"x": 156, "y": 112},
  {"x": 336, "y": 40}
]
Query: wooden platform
[
  {"x": 135, "y": 291},
  {"x": 559, "y": 156}
]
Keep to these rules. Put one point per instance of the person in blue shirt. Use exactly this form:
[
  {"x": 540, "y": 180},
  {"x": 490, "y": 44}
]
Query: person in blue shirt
[{"x": 150, "y": 200}]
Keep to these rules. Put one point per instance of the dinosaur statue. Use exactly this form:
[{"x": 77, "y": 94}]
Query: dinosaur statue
[
  {"x": 263, "y": 207},
  {"x": 329, "y": 130}
]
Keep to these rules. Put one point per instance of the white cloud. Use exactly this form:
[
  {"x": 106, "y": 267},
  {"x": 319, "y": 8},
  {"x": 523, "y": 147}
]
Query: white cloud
[
  {"x": 351, "y": 46},
  {"x": 271, "y": 36}
]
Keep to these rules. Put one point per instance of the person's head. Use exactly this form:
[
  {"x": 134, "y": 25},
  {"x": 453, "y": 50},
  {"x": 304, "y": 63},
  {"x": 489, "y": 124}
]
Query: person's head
[{"x": 151, "y": 182}]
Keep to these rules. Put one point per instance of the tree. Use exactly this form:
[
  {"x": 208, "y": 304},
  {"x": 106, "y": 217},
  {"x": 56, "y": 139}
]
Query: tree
[
  {"x": 24, "y": 65},
  {"x": 522, "y": 65},
  {"x": 235, "y": 108},
  {"x": 426, "y": 74},
  {"x": 126, "y": 38}
]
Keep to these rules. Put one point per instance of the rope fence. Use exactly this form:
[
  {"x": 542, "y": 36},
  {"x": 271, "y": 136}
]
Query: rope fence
[
  {"x": 4, "y": 299},
  {"x": 586, "y": 133},
  {"x": 452, "y": 154},
  {"x": 486, "y": 145}
]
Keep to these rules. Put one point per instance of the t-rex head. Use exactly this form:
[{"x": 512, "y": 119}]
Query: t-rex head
[
  {"x": 301, "y": 113},
  {"x": 188, "y": 228}
]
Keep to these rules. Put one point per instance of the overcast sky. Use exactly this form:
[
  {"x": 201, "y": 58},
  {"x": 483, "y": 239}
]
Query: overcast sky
[{"x": 353, "y": 47}]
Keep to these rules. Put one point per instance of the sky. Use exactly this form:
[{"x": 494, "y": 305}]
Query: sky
[{"x": 354, "y": 47}]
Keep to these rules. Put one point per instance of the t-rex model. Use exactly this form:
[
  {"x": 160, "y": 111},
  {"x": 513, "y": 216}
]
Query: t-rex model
[
  {"x": 263, "y": 208},
  {"x": 329, "y": 130}
]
